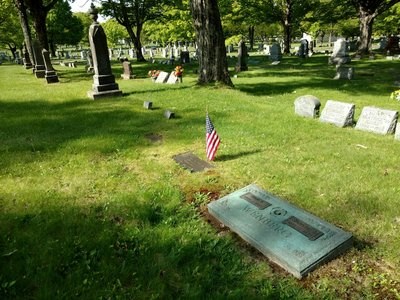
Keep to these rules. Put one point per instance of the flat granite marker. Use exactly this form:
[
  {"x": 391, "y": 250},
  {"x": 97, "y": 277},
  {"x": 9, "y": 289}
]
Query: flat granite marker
[
  {"x": 338, "y": 113},
  {"x": 191, "y": 162},
  {"x": 294, "y": 239},
  {"x": 162, "y": 77},
  {"x": 376, "y": 120}
]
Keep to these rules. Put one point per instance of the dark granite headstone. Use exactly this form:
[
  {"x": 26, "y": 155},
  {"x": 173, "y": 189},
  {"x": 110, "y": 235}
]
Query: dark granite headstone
[
  {"x": 26, "y": 59},
  {"x": 294, "y": 239},
  {"x": 376, "y": 120},
  {"x": 185, "y": 57},
  {"x": 148, "y": 104},
  {"x": 191, "y": 162},
  {"x": 103, "y": 80},
  {"x": 338, "y": 113},
  {"x": 50, "y": 74},
  {"x": 39, "y": 69},
  {"x": 307, "y": 106}
]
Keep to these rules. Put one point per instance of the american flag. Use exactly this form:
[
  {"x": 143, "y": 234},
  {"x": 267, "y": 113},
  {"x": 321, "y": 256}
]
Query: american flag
[{"x": 212, "y": 139}]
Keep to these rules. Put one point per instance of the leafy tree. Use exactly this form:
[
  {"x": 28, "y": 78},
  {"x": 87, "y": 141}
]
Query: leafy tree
[
  {"x": 388, "y": 22},
  {"x": 176, "y": 25},
  {"x": 38, "y": 10},
  {"x": 368, "y": 11},
  {"x": 133, "y": 14},
  {"x": 11, "y": 34},
  {"x": 115, "y": 32},
  {"x": 63, "y": 27},
  {"x": 213, "y": 65},
  {"x": 86, "y": 21}
]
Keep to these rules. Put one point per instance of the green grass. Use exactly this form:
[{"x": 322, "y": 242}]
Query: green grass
[{"x": 91, "y": 208}]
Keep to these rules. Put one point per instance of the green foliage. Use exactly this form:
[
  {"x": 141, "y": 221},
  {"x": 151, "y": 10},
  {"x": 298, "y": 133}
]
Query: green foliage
[
  {"x": 86, "y": 22},
  {"x": 63, "y": 28},
  {"x": 10, "y": 27},
  {"x": 115, "y": 32},
  {"x": 92, "y": 208}
]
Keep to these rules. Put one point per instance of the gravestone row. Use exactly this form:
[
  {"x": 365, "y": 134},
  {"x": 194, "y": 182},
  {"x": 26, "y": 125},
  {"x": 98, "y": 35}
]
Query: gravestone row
[{"x": 341, "y": 114}]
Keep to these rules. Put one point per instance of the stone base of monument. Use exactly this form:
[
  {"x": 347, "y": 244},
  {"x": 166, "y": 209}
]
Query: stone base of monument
[
  {"x": 105, "y": 94},
  {"x": 40, "y": 71},
  {"x": 292, "y": 238},
  {"x": 51, "y": 77},
  {"x": 104, "y": 86}
]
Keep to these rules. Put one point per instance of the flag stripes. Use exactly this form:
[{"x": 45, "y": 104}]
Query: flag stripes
[{"x": 212, "y": 139}]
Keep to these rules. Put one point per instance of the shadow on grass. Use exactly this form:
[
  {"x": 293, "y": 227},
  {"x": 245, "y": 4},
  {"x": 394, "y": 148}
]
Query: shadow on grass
[
  {"x": 226, "y": 157},
  {"x": 140, "y": 250}
]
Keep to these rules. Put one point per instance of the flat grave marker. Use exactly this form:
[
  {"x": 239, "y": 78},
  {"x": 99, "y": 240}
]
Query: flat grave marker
[
  {"x": 338, "y": 113},
  {"x": 191, "y": 162},
  {"x": 294, "y": 239},
  {"x": 376, "y": 120}
]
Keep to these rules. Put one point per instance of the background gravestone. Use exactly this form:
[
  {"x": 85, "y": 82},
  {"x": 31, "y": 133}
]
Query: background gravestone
[
  {"x": 127, "y": 70},
  {"x": 242, "y": 57},
  {"x": 343, "y": 72},
  {"x": 376, "y": 120},
  {"x": 339, "y": 55},
  {"x": 275, "y": 53},
  {"x": 307, "y": 106},
  {"x": 39, "y": 68},
  {"x": 103, "y": 80},
  {"x": 338, "y": 113}
]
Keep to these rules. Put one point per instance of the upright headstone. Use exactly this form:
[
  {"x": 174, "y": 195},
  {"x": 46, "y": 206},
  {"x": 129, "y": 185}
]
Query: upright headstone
[
  {"x": 104, "y": 81},
  {"x": 185, "y": 57},
  {"x": 172, "y": 79},
  {"x": 303, "y": 49},
  {"x": 26, "y": 59},
  {"x": 307, "y": 106},
  {"x": 39, "y": 69},
  {"x": 275, "y": 53},
  {"x": 90, "y": 68},
  {"x": 127, "y": 70},
  {"x": 377, "y": 120},
  {"x": 162, "y": 77},
  {"x": 339, "y": 55},
  {"x": 338, "y": 113},
  {"x": 392, "y": 46},
  {"x": 50, "y": 74},
  {"x": 242, "y": 57}
]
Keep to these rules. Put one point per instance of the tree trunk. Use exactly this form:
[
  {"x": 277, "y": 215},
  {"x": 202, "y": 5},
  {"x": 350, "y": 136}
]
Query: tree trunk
[
  {"x": 213, "y": 64},
  {"x": 23, "y": 18},
  {"x": 41, "y": 28},
  {"x": 366, "y": 22},
  {"x": 251, "y": 36},
  {"x": 136, "y": 42},
  {"x": 287, "y": 26},
  {"x": 138, "y": 45}
]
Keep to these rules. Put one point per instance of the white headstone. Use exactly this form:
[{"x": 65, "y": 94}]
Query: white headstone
[
  {"x": 162, "y": 77},
  {"x": 172, "y": 79},
  {"x": 338, "y": 113}
]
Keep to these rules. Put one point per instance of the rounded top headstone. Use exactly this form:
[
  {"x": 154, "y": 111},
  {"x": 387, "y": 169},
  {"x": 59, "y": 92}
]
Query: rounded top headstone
[{"x": 308, "y": 99}]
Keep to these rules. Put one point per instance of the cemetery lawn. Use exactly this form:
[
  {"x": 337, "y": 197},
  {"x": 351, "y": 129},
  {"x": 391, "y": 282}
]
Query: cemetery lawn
[{"x": 93, "y": 206}]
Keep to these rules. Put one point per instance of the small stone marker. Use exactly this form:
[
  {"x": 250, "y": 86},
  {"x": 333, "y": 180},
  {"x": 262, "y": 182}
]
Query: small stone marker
[
  {"x": 172, "y": 79},
  {"x": 307, "y": 106},
  {"x": 127, "y": 70},
  {"x": 191, "y": 162},
  {"x": 338, "y": 113},
  {"x": 148, "y": 104},
  {"x": 376, "y": 120},
  {"x": 294, "y": 239},
  {"x": 162, "y": 77},
  {"x": 169, "y": 114}
]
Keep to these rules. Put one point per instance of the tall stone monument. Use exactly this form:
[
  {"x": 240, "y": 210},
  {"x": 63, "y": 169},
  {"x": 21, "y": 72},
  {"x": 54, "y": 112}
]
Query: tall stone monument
[
  {"x": 50, "y": 73},
  {"x": 103, "y": 80},
  {"x": 340, "y": 54},
  {"x": 39, "y": 69}
]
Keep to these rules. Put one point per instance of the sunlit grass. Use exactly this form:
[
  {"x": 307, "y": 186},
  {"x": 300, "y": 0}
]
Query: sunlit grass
[{"x": 91, "y": 207}]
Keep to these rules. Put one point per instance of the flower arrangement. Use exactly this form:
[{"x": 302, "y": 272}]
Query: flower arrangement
[
  {"x": 154, "y": 74},
  {"x": 395, "y": 95},
  {"x": 178, "y": 71}
]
